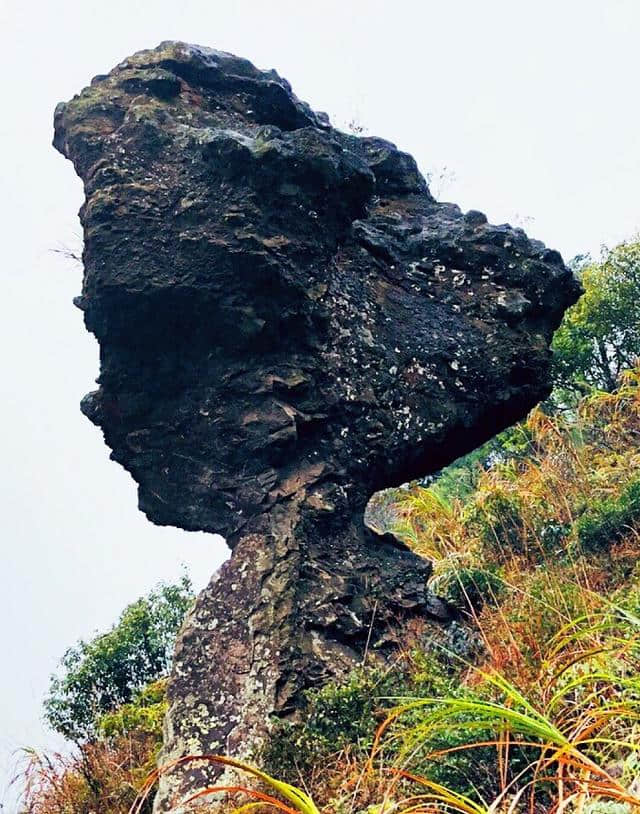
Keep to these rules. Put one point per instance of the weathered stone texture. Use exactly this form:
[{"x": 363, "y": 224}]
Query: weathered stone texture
[{"x": 287, "y": 322}]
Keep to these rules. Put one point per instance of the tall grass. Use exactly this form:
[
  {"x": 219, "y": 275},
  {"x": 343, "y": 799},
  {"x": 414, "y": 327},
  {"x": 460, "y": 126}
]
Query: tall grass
[
  {"x": 103, "y": 776},
  {"x": 560, "y": 680}
]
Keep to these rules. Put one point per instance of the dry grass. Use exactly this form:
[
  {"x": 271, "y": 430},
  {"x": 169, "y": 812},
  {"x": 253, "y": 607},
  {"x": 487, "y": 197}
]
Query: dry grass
[{"x": 105, "y": 776}]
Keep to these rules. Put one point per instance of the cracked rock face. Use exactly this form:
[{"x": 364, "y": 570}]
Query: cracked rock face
[{"x": 288, "y": 322}]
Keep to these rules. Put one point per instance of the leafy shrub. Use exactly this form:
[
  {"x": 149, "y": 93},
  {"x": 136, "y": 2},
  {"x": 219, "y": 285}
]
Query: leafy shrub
[
  {"x": 339, "y": 715},
  {"x": 347, "y": 715},
  {"x": 144, "y": 714},
  {"x": 607, "y": 521},
  {"x": 553, "y": 535},
  {"x": 497, "y": 518},
  {"x": 109, "y": 698},
  {"x": 101, "y": 675},
  {"x": 470, "y": 587}
]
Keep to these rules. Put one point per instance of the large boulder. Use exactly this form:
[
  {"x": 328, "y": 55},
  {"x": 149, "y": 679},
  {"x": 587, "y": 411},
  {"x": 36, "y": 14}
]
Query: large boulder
[{"x": 288, "y": 322}]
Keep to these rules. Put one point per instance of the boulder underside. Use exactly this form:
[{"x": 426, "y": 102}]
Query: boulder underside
[{"x": 288, "y": 322}]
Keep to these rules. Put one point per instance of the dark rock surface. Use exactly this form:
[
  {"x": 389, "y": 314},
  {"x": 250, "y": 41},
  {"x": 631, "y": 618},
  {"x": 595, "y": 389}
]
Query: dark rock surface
[{"x": 287, "y": 322}]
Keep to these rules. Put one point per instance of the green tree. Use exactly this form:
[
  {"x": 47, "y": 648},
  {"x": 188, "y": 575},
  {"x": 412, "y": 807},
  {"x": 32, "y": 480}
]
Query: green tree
[
  {"x": 600, "y": 336},
  {"x": 110, "y": 670}
]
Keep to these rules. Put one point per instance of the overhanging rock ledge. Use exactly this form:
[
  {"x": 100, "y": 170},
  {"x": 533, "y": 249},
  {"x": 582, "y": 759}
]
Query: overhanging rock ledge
[{"x": 288, "y": 321}]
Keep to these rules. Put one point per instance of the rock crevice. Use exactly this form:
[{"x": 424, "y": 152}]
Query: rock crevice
[{"x": 288, "y": 322}]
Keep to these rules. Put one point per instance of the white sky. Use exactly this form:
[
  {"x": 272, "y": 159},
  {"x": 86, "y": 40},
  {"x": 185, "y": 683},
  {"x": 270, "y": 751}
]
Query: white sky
[{"x": 533, "y": 105}]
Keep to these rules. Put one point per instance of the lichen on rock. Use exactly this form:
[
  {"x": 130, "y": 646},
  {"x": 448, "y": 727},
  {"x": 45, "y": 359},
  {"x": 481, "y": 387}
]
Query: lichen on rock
[{"x": 288, "y": 322}]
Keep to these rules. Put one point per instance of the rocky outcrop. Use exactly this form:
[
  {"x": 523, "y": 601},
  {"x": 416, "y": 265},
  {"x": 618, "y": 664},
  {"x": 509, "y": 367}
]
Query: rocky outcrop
[{"x": 288, "y": 322}]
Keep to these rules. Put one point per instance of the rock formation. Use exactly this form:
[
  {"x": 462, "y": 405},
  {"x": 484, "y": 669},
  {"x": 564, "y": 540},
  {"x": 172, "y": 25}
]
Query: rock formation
[{"x": 288, "y": 322}]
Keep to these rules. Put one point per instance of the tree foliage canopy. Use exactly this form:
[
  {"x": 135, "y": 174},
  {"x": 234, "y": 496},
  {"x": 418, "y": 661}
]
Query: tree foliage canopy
[
  {"x": 99, "y": 676},
  {"x": 600, "y": 336}
]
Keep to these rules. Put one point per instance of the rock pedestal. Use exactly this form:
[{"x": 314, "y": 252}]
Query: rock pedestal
[{"x": 288, "y": 322}]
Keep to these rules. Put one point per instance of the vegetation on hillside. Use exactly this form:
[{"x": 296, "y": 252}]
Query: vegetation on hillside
[
  {"x": 600, "y": 336},
  {"x": 530, "y": 702},
  {"x": 111, "y": 670},
  {"x": 541, "y": 560},
  {"x": 108, "y": 699}
]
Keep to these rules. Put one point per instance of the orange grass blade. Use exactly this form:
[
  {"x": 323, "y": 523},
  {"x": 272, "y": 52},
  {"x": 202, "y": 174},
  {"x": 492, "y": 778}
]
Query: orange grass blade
[{"x": 258, "y": 795}]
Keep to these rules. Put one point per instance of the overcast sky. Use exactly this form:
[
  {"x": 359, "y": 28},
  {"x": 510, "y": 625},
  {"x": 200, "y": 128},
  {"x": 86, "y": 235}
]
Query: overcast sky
[{"x": 533, "y": 106}]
